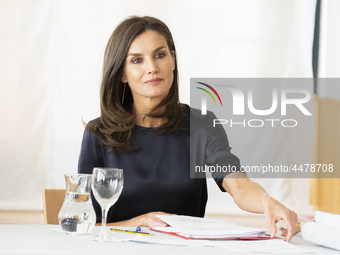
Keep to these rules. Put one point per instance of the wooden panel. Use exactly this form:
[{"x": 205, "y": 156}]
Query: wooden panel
[
  {"x": 21, "y": 217},
  {"x": 53, "y": 200},
  {"x": 325, "y": 192}
]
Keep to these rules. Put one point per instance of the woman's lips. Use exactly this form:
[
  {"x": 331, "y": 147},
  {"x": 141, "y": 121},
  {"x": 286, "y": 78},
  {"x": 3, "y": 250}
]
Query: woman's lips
[{"x": 154, "y": 81}]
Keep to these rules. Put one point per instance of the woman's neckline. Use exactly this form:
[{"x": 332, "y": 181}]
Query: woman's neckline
[{"x": 145, "y": 128}]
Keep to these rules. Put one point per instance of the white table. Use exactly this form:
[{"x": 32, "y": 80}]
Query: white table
[{"x": 40, "y": 239}]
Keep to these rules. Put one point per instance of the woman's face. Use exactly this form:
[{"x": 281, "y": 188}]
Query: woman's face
[{"x": 148, "y": 67}]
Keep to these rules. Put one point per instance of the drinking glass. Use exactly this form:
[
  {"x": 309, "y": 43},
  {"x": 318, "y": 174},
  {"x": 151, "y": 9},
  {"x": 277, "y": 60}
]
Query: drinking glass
[{"x": 107, "y": 184}]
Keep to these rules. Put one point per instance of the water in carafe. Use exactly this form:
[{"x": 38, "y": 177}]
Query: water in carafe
[{"x": 77, "y": 213}]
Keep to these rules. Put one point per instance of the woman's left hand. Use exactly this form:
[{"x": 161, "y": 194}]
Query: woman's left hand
[
  {"x": 274, "y": 212},
  {"x": 251, "y": 197}
]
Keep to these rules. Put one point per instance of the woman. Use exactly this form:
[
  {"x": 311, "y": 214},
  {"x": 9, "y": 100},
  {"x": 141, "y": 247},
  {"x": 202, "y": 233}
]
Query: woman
[{"x": 144, "y": 130}]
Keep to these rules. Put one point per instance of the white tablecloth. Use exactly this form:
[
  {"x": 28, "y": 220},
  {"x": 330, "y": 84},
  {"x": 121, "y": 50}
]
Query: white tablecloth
[{"x": 40, "y": 239}]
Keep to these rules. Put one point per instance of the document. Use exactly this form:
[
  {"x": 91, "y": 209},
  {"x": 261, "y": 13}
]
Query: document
[
  {"x": 267, "y": 246},
  {"x": 203, "y": 228}
]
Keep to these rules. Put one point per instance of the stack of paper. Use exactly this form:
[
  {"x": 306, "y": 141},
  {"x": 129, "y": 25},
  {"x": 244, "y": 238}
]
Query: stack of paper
[
  {"x": 203, "y": 228},
  {"x": 328, "y": 219},
  {"x": 325, "y": 231},
  {"x": 267, "y": 246}
]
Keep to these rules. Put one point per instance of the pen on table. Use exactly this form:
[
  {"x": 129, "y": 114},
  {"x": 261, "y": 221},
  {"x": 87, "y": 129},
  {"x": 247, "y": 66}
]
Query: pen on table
[{"x": 130, "y": 231}]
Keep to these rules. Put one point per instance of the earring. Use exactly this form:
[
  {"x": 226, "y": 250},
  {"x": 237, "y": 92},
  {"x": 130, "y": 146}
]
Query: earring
[{"x": 123, "y": 93}]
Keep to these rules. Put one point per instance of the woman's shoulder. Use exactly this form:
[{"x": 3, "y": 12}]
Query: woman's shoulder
[
  {"x": 92, "y": 129},
  {"x": 197, "y": 115},
  {"x": 194, "y": 119},
  {"x": 94, "y": 122}
]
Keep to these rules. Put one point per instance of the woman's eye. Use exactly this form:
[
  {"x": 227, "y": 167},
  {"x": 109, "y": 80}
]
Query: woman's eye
[
  {"x": 136, "y": 60},
  {"x": 160, "y": 55}
]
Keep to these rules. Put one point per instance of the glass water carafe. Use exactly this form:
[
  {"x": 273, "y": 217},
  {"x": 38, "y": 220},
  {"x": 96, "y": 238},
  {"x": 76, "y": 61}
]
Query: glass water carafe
[{"x": 77, "y": 213}]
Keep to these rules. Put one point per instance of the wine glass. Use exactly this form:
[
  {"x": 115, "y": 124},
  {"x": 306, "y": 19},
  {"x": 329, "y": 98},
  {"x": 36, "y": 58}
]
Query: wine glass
[{"x": 107, "y": 184}]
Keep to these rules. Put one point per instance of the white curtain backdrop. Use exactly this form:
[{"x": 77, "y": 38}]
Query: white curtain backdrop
[
  {"x": 329, "y": 48},
  {"x": 50, "y": 67}
]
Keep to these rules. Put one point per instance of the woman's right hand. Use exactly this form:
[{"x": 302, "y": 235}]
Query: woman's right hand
[{"x": 145, "y": 220}]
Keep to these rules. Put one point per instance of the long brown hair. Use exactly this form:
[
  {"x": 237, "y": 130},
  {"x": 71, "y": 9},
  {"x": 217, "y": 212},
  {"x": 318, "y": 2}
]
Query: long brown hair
[{"x": 116, "y": 122}]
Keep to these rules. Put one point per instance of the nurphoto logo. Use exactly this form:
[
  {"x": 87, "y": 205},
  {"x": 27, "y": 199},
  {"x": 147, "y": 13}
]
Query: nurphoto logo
[{"x": 243, "y": 103}]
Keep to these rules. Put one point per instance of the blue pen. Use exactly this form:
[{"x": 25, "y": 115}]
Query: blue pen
[{"x": 138, "y": 229}]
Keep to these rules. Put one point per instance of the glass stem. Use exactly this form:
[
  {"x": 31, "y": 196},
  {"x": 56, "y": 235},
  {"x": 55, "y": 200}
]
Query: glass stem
[{"x": 104, "y": 217}]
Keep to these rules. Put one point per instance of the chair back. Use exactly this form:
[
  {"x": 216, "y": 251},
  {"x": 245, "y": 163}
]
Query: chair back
[{"x": 53, "y": 200}]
